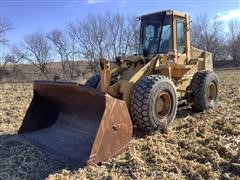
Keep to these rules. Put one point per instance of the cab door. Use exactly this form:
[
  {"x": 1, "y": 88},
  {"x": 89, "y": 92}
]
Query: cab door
[{"x": 181, "y": 40}]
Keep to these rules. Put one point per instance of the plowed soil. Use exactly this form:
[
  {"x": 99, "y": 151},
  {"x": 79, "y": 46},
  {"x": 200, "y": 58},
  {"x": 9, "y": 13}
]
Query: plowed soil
[{"x": 198, "y": 145}]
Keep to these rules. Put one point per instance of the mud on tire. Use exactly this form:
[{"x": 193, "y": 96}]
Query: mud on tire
[
  {"x": 204, "y": 89},
  {"x": 154, "y": 103}
]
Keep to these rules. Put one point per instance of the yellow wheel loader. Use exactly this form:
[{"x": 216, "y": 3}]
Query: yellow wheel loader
[{"x": 85, "y": 124}]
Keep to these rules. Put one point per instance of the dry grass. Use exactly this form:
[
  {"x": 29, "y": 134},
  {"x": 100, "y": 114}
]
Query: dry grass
[{"x": 203, "y": 145}]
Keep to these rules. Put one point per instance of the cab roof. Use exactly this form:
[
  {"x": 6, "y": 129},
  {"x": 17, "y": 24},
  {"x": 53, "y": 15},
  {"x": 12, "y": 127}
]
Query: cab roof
[{"x": 168, "y": 12}]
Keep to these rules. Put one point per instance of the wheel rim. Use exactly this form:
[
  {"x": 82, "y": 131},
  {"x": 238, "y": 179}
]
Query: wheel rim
[
  {"x": 163, "y": 104},
  {"x": 212, "y": 92}
]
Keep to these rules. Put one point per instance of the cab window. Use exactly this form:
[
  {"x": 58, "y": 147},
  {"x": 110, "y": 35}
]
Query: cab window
[
  {"x": 181, "y": 36},
  {"x": 156, "y": 34}
]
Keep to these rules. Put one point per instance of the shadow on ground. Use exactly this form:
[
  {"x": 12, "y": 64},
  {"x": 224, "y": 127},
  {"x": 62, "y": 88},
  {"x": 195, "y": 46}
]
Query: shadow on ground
[{"x": 21, "y": 161}]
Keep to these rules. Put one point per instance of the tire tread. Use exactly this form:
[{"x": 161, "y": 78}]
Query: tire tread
[{"x": 139, "y": 101}]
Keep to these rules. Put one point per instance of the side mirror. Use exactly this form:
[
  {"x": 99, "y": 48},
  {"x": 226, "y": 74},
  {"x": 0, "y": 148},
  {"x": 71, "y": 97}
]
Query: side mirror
[{"x": 138, "y": 18}]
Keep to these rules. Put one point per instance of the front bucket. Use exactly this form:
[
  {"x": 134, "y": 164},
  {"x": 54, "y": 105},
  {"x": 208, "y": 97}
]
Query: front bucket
[{"x": 75, "y": 124}]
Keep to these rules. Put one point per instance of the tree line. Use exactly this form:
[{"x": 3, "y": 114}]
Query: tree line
[{"x": 109, "y": 35}]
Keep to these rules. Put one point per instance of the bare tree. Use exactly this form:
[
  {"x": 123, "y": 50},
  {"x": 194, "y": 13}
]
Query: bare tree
[
  {"x": 133, "y": 28},
  {"x": 59, "y": 40},
  {"x": 90, "y": 35},
  {"x": 116, "y": 25},
  {"x": 37, "y": 51},
  {"x": 15, "y": 56},
  {"x": 208, "y": 34},
  {"x": 11, "y": 62},
  {"x": 123, "y": 34},
  {"x": 5, "y": 25},
  {"x": 234, "y": 41},
  {"x": 105, "y": 35},
  {"x": 67, "y": 50}
]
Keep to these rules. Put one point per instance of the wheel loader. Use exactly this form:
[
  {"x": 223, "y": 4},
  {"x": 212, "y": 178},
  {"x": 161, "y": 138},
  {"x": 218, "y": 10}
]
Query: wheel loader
[{"x": 87, "y": 124}]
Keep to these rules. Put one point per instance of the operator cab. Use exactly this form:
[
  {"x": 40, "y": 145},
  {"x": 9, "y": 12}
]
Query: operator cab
[
  {"x": 156, "y": 33},
  {"x": 165, "y": 31}
]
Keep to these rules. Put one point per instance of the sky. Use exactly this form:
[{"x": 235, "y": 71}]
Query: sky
[{"x": 28, "y": 16}]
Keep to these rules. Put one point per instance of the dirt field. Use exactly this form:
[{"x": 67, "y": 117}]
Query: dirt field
[{"x": 198, "y": 146}]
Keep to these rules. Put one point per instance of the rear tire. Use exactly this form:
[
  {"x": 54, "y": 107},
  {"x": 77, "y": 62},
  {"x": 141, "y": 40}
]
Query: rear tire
[
  {"x": 93, "y": 81},
  {"x": 154, "y": 103},
  {"x": 205, "y": 88}
]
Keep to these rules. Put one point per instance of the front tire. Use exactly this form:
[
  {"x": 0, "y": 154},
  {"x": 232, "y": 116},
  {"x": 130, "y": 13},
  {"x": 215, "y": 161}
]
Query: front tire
[
  {"x": 154, "y": 103},
  {"x": 205, "y": 87}
]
